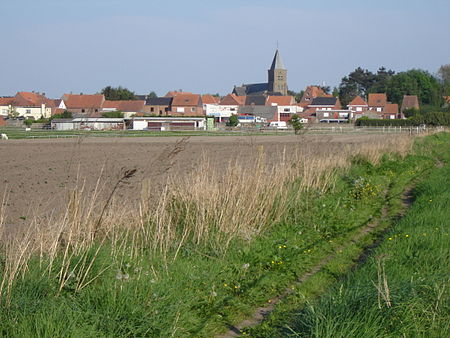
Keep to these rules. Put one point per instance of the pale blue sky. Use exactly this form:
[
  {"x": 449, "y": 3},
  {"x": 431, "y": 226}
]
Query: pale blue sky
[{"x": 60, "y": 46}]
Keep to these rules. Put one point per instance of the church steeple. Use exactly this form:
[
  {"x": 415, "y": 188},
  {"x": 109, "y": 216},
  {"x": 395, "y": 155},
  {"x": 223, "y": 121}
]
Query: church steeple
[
  {"x": 277, "y": 63},
  {"x": 278, "y": 75}
]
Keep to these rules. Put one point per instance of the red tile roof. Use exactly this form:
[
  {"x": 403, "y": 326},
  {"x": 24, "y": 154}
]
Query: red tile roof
[
  {"x": 232, "y": 100},
  {"x": 377, "y": 100},
  {"x": 209, "y": 99},
  {"x": 130, "y": 106},
  {"x": 410, "y": 101},
  {"x": 30, "y": 99},
  {"x": 175, "y": 93},
  {"x": 73, "y": 101},
  {"x": 358, "y": 101},
  {"x": 185, "y": 100},
  {"x": 280, "y": 100},
  {"x": 311, "y": 92},
  {"x": 391, "y": 108},
  {"x": 6, "y": 101}
]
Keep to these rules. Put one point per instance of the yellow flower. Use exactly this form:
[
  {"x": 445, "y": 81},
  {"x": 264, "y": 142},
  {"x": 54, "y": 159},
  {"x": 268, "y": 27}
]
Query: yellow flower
[
  {"x": 390, "y": 238},
  {"x": 225, "y": 284},
  {"x": 406, "y": 235}
]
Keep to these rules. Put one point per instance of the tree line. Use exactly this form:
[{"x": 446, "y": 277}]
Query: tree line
[{"x": 430, "y": 89}]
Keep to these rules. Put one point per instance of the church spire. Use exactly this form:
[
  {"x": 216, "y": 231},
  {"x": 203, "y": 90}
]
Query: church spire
[{"x": 277, "y": 63}]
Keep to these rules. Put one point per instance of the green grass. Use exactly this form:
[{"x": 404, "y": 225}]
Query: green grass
[
  {"x": 203, "y": 290},
  {"x": 416, "y": 260},
  {"x": 20, "y": 133}
]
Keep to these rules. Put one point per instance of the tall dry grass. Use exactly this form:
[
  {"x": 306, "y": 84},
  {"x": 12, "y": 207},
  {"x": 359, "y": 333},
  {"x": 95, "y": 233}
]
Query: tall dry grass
[{"x": 207, "y": 206}]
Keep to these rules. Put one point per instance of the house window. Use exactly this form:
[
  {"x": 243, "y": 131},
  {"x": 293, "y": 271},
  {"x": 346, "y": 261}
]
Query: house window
[
  {"x": 358, "y": 108},
  {"x": 152, "y": 109},
  {"x": 326, "y": 114},
  {"x": 287, "y": 109},
  {"x": 392, "y": 117},
  {"x": 28, "y": 111},
  {"x": 378, "y": 109},
  {"x": 193, "y": 109},
  {"x": 82, "y": 110},
  {"x": 180, "y": 109}
]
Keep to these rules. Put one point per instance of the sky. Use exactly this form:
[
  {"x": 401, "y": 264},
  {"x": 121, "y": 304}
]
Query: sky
[{"x": 81, "y": 46}]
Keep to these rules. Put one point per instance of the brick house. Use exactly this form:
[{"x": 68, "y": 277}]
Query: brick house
[
  {"x": 377, "y": 102},
  {"x": 84, "y": 105},
  {"x": 127, "y": 107},
  {"x": 286, "y": 106},
  {"x": 358, "y": 105},
  {"x": 310, "y": 93},
  {"x": 158, "y": 105},
  {"x": 410, "y": 102},
  {"x": 187, "y": 105}
]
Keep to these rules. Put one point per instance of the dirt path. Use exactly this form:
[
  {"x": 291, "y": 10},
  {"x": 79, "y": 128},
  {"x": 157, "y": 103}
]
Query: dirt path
[{"x": 263, "y": 312}]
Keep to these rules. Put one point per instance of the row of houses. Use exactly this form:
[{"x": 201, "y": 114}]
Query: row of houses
[{"x": 314, "y": 106}]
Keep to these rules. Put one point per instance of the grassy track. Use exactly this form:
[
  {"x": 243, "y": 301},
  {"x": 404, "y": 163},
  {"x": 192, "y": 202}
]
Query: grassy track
[
  {"x": 197, "y": 289},
  {"x": 401, "y": 290}
]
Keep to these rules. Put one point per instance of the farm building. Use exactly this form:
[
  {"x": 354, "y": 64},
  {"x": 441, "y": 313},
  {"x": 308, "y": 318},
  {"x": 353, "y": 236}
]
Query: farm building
[
  {"x": 90, "y": 123},
  {"x": 168, "y": 123}
]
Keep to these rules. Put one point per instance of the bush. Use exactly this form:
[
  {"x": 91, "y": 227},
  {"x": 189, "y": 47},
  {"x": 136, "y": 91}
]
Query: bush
[
  {"x": 233, "y": 121},
  {"x": 65, "y": 115},
  {"x": 113, "y": 114},
  {"x": 364, "y": 122}
]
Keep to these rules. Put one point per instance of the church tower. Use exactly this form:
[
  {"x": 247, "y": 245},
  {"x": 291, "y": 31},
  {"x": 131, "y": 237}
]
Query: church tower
[{"x": 278, "y": 76}]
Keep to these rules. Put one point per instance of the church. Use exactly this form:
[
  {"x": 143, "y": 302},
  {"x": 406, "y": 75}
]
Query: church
[{"x": 276, "y": 85}]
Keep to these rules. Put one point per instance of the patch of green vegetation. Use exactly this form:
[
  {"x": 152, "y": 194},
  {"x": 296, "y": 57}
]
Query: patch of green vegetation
[
  {"x": 202, "y": 291},
  {"x": 402, "y": 287}
]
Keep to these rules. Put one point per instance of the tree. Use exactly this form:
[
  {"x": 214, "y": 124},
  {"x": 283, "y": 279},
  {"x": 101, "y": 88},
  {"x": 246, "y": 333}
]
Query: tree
[
  {"x": 117, "y": 93},
  {"x": 335, "y": 92},
  {"x": 381, "y": 80},
  {"x": 297, "y": 96},
  {"x": 12, "y": 112},
  {"x": 444, "y": 78},
  {"x": 233, "y": 121},
  {"x": 361, "y": 82},
  {"x": 356, "y": 83},
  {"x": 414, "y": 82},
  {"x": 326, "y": 89},
  {"x": 152, "y": 95},
  {"x": 28, "y": 122},
  {"x": 295, "y": 123}
]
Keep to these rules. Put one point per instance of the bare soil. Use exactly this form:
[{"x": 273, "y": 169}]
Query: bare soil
[{"x": 36, "y": 175}]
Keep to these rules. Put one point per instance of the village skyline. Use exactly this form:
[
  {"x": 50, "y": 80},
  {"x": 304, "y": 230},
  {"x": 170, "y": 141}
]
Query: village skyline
[{"x": 208, "y": 48}]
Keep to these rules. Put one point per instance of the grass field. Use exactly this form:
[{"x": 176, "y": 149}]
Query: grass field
[
  {"x": 187, "y": 267},
  {"x": 399, "y": 290}
]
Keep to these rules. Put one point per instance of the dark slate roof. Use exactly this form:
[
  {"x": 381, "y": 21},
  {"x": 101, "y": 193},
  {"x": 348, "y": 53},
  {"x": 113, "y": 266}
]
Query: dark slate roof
[
  {"x": 159, "y": 101},
  {"x": 257, "y": 100},
  {"x": 323, "y": 101},
  {"x": 277, "y": 63},
  {"x": 239, "y": 91},
  {"x": 251, "y": 89}
]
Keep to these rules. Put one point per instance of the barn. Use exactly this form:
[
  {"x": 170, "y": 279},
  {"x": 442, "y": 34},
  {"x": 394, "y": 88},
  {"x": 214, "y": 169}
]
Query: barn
[
  {"x": 89, "y": 123},
  {"x": 168, "y": 123}
]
